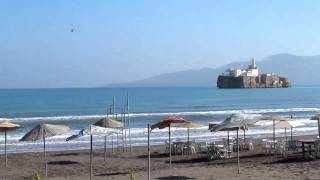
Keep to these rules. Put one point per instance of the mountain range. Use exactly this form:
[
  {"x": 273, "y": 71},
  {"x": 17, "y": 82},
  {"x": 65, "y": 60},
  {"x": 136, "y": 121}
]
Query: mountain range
[{"x": 300, "y": 70}]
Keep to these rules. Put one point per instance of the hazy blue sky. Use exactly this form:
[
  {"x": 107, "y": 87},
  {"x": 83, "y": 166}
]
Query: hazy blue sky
[{"x": 116, "y": 41}]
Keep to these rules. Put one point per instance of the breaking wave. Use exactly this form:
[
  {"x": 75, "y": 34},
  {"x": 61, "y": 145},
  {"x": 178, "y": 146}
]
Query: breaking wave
[{"x": 218, "y": 112}]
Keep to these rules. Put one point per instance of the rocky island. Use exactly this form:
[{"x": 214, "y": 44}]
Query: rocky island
[{"x": 251, "y": 78}]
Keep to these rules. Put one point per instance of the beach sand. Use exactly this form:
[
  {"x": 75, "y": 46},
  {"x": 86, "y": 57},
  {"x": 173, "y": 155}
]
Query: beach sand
[{"x": 75, "y": 165}]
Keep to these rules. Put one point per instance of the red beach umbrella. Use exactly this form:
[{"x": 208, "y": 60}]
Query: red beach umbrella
[{"x": 166, "y": 122}]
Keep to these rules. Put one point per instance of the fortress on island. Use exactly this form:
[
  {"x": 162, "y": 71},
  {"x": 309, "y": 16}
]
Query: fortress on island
[{"x": 251, "y": 78}]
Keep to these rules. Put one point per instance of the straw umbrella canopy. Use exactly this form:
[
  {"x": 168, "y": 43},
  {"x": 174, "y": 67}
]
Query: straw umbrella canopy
[
  {"x": 288, "y": 124},
  {"x": 166, "y": 122},
  {"x": 43, "y": 131},
  {"x": 4, "y": 127},
  {"x": 108, "y": 123},
  {"x": 189, "y": 125},
  {"x": 93, "y": 130},
  {"x": 317, "y": 117},
  {"x": 274, "y": 119},
  {"x": 236, "y": 121}
]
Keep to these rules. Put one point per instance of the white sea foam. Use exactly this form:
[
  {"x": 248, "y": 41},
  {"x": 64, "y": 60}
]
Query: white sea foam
[
  {"x": 219, "y": 112},
  {"x": 158, "y": 136}
]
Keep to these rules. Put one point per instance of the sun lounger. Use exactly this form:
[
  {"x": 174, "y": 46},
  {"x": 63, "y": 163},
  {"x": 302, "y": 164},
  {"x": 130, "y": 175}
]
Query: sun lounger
[
  {"x": 293, "y": 145},
  {"x": 217, "y": 152},
  {"x": 317, "y": 148},
  {"x": 269, "y": 145}
]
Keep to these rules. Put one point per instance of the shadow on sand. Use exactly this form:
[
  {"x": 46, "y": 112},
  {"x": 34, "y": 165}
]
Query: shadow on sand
[
  {"x": 112, "y": 174},
  {"x": 155, "y": 155},
  {"x": 62, "y": 162},
  {"x": 174, "y": 178},
  {"x": 66, "y": 154}
]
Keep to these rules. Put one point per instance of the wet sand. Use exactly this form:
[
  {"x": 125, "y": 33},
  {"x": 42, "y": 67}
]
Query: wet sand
[{"x": 75, "y": 165}]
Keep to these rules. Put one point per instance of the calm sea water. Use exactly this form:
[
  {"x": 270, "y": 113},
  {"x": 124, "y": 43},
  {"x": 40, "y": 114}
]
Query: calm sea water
[{"x": 81, "y": 107}]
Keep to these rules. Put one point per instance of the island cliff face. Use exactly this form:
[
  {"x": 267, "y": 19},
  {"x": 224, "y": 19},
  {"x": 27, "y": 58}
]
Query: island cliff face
[
  {"x": 250, "y": 78},
  {"x": 260, "y": 81}
]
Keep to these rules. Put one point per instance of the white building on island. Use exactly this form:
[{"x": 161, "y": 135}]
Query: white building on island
[{"x": 252, "y": 70}]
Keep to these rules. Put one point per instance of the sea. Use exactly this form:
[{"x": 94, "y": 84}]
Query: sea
[{"x": 80, "y": 107}]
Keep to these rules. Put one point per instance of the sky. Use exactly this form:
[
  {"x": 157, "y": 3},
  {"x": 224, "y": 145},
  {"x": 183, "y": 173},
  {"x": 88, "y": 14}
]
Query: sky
[{"x": 121, "y": 41}]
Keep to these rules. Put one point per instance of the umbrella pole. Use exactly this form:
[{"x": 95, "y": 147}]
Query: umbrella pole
[
  {"x": 45, "y": 155},
  {"x": 125, "y": 131},
  {"x": 228, "y": 145},
  {"x": 244, "y": 135},
  {"x": 5, "y": 147},
  {"x": 274, "y": 135},
  {"x": 188, "y": 140},
  {"x": 105, "y": 148},
  {"x": 112, "y": 144},
  {"x": 117, "y": 142},
  {"x": 91, "y": 162},
  {"x": 169, "y": 146},
  {"x": 285, "y": 133},
  {"x": 291, "y": 133},
  {"x": 149, "y": 174},
  {"x": 123, "y": 136},
  {"x": 129, "y": 124},
  {"x": 319, "y": 128},
  {"x": 238, "y": 151}
]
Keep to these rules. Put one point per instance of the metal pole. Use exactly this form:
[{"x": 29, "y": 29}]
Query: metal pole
[
  {"x": 149, "y": 173},
  {"x": 112, "y": 144},
  {"x": 228, "y": 145},
  {"x": 188, "y": 140},
  {"x": 169, "y": 146},
  {"x": 129, "y": 122},
  {"x": 45, "y": 154},
  {"x": 291, "y": 134},
  {"x": 285, "y": 134},
  {"x": 124, "y": 125},
  {"x": 274, "y": 131},
  {"x": 105, "y": 148},
  {"x": 319, "y": 128},
  {"x": 117, "y": 142},
  {"x": 274, "y": 135},
  {"x": 91, "y": 158},
  {"x": 113, "y": 105},
  {"x": 125, "y": 129},
  {"x": 238, "y": 151},
  {"x": 5, "y": 147}
]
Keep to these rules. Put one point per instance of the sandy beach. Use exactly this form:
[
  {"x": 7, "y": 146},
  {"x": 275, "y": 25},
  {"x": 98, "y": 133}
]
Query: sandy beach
[{"x": 75, "y": 165}]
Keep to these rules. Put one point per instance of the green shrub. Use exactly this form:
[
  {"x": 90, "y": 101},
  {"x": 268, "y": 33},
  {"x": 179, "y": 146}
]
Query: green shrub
[
  {"x": 37, "y": 176},
  {"x": 132, "y": 176}
]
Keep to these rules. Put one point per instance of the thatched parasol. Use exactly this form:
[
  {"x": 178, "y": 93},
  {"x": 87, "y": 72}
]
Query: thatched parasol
[
  {"x": 288, "y": 124},
  {"x": 274, "y": 119},
  {"x": 4, "y": 127},
  {"x": 109, "y": 123},
  {"x": 43, "y": 131},
  {"x": 317, "y": 117}
]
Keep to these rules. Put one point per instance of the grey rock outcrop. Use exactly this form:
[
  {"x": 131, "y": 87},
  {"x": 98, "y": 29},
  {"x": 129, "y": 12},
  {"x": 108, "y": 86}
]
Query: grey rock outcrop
[{"x": 261, "y": 81}]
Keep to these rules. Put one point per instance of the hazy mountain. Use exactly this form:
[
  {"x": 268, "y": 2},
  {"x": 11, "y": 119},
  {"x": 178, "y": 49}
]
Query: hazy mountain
[{"x": 301, "y": 70}]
